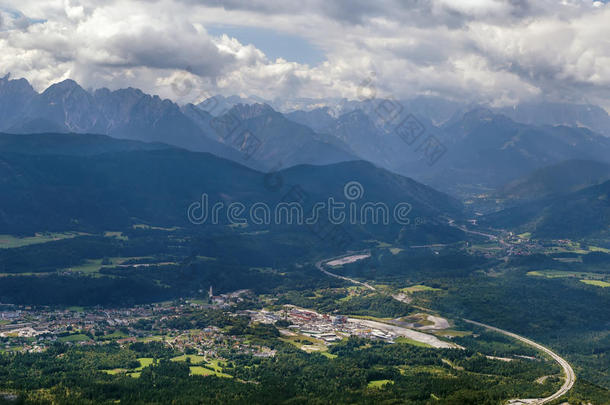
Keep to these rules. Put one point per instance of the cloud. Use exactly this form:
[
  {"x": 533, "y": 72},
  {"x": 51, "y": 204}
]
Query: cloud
[
  {"x": 495, "y": 51},
  {"x": 11, "y": 19}
]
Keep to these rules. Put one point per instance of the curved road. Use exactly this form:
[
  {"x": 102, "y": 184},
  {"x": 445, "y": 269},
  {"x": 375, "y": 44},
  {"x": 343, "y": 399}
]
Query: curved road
[
  {"x": 464, "y": 229},
  {"x": 567, "y": 369},
  {"x": 399, "y": 330},
  {"x": 320, "y": 266}
]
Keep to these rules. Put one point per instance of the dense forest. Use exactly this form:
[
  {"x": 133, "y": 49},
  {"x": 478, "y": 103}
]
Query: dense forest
[{"x": 65, "y": 374}]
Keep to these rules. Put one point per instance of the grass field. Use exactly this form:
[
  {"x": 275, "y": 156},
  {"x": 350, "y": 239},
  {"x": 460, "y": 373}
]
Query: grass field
[
  {"x": 198, "y": 370},
  {"x": 134, "y": 373},
  {"x": 418, "y": 288},
  {"x": 452, "y": 333},
  {"x": 156, "y": 228},
  {"x": 570, "y": 247},
  {"x": 373, "y": 318},
  {"x": 115, "y": 371},
  {"x": 10, "y": 241},
  {"x": 598, "y": 249},
  {"x": 564, "y": 274},
  {"x": 115, "y": 335},
  {"x": 379, "y": 383},
  {"x": 195, "y": 359},
  {"x": 145, "y": 362},
  {"x": 92, "y": 267},
  {"x": 74, "y": 338},
  {"x": 199, "y": 362},
  {"x": 597, "y": 283},
  {"x": 117, "y": 235},
  {"x": 406, "y": 340},
  {"x": 313, "y": 345},
  {"x": 22, "y": 274}
]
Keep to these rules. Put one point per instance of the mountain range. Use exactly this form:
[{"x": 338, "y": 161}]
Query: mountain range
[
  {"x": 555, "y": 180},
  {"x": 92, "y": 183},
  {"x": 487, "y": 150},
  {"x": 125, "y": 113},
  {"x": 483, "y": 149},
  {"x": 269, "y": 139},
  {"x": 582, "y": 213}
]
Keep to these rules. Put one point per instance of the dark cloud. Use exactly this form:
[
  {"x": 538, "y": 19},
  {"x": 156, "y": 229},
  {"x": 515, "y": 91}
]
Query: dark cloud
[{"x": 169, "y": 50}]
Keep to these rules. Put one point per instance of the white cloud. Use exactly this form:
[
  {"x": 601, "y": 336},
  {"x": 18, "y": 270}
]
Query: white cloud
[{"x": 497, "y": 51}]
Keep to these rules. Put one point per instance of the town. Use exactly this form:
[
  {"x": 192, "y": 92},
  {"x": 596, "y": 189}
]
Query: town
[{"x": 32, "y": 329}]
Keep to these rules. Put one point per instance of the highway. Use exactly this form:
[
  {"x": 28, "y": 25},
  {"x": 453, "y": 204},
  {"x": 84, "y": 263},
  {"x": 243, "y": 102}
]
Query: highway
[
  {"x": 464, "y": 229},
  {"x": 320, "y": 266},
  {"x": 399, "y": 330},
  {"x": 567, "y": 369},
  {"x": 570, "y": 377}
]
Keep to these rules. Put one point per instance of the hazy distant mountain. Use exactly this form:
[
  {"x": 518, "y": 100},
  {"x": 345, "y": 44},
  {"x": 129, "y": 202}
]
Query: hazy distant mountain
[
  {"x": 131, "y": 114},
  {"x": 355, "y": 128},
  {"x": 560, "y": 178},
  {"x": 442, "y": 111},
  {"x": 374, "y": 143},
  {"x": 484, "y": 150},
  {"x": 318, "y": 119},
  {"x": 584, "y": 213},
  {"x": 126, "y": 113},
  {"x": 489, "y": 150},
  {"x": 219, "y": 105},
  {"x": 272, "y": 139},
  {"x": 575, "y": 115},
  {"x": 437, "y": 110},
  {"x": 373, "y": 132}
]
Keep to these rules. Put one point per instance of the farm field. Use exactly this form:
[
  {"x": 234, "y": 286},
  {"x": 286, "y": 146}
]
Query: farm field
[
  {"x": 74, "y": 338},
  {"x": 194, "y": 358},
  {"x": 11, "y": 241},
  {"x": 379, "y": 383},
  {"x": 93, "y": 266},
  {"x": 418, "y": 288},
  {"x": 597, "y": 283},
  {"x": 565, "y": 274}
]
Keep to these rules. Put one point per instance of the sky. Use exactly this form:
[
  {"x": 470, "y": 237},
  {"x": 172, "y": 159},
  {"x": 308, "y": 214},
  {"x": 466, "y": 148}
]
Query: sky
[{"x": 484, "y": 51}]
